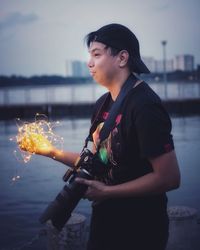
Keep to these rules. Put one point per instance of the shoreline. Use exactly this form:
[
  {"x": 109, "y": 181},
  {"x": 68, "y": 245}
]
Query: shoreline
[{"x": 177, "y": 107}]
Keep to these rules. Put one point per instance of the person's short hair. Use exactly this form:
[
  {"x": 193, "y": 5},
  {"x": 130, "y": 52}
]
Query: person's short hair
[{"x": 118, "y": 37}]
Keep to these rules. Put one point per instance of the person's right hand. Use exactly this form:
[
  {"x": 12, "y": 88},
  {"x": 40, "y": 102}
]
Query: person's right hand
[{"x": 35, "y": 143}]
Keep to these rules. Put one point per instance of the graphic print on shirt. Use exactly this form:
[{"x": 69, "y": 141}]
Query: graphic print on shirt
[{"x": 110, "y": 147}]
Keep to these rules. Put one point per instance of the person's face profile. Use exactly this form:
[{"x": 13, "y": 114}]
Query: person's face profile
[{"x": 101, "y": 63}]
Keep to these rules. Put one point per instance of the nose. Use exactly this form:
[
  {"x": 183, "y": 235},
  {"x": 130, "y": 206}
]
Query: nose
[{"x": 90, "y": 63}]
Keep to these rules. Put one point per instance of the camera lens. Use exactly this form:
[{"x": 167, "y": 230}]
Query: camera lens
[{"x": 59, "y": 211}]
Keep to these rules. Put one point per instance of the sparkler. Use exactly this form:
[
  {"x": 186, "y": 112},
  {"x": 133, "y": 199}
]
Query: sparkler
[{"x": 35, "y": 137}]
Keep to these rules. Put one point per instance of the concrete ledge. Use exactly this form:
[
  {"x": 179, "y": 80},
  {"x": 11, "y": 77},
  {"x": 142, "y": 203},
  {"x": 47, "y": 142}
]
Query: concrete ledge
[{"x": 184, "y": 230}]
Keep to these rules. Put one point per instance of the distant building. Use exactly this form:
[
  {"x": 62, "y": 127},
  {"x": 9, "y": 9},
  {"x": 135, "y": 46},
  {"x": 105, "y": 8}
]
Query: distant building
[
  {"x": 69, "y": 68},
  {"x": 159, "y": 66},
  {"x": 184, "y": 62},
  {"x": 77, "y": 69},
  {"x": 170, "y": 65},
  {"x": 156, "y": 66}
]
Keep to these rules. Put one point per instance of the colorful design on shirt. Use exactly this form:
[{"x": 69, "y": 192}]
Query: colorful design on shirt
[
  {"x": 105, "y": 115},
  {"x": 117, "y": 121},
  {"x": 103, "y": 155},
  {"x": 107, "y": 146}
]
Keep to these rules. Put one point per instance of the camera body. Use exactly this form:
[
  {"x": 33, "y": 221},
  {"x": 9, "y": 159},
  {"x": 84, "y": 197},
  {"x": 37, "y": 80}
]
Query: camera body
[{"x": 88, "y": 167}]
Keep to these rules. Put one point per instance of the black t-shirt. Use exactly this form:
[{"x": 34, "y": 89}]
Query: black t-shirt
[{"x": 142, "y": 131}]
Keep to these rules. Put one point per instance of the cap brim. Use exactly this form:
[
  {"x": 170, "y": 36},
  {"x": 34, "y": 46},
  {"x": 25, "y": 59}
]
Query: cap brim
[{"x": 140, "y": 67}]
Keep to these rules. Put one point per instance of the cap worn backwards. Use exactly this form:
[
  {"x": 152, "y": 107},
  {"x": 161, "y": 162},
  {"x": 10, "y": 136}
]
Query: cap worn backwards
[{"x": 120, "y": 37}]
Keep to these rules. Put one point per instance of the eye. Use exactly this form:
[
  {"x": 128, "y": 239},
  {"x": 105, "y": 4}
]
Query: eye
[{"x": 96, "y": 55}]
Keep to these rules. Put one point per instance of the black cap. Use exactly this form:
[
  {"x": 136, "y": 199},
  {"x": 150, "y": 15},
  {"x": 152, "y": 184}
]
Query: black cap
[{"x": 120, "y": 37}]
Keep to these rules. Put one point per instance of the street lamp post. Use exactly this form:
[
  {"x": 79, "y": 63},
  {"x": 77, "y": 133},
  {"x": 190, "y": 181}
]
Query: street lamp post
[{"x": 164, "y": 42}]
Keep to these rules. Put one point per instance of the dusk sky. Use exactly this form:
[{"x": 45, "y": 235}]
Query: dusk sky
[{"x": 38, "y": 36}]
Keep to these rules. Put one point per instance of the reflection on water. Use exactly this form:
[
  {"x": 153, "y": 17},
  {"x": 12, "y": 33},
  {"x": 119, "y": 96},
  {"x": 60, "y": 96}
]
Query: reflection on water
[
  {"x": 22, "y": 203},
  {"x": 85, "y": 93}
]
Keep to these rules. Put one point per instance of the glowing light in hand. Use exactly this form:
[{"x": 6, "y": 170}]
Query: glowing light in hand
[{"x": 35, "y": 137}]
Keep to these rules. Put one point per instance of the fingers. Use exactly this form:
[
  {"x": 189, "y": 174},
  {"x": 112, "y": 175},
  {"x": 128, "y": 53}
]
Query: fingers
[{"x": 83, "y": 181}]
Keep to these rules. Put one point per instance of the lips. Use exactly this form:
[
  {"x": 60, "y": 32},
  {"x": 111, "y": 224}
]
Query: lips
[{"x": 92, "y": 73}]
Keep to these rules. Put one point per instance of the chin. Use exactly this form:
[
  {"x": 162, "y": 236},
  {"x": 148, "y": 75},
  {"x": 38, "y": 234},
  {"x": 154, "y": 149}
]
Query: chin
[{"x": 102, "y": 83}]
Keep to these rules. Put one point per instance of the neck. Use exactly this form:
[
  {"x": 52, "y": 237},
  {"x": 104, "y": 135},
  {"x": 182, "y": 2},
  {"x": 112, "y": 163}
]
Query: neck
[{"x": 117, "y": 83}]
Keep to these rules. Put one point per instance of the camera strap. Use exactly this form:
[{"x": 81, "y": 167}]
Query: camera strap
[{"x": 110, "y": 121}]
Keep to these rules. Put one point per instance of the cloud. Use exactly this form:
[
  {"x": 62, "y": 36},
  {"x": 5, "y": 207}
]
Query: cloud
[{"x": 16, "y": 18}]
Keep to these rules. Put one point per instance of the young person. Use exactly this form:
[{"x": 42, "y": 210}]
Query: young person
[{"x": 129, "y": 209}]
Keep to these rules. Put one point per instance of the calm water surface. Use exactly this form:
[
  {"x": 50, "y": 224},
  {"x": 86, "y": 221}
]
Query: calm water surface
[{"x": 23, "y": 202}]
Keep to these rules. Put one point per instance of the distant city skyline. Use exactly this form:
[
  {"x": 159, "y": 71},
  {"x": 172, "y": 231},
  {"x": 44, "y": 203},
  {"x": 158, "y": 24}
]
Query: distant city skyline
[
  {"x": 179, "y": 62},
  {"x": 38, "y": 36},
  {"x": 77, "y": 68}
]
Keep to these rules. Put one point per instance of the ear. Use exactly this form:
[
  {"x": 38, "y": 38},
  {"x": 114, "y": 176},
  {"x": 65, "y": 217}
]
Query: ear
[{"x": 123, "y": 58}]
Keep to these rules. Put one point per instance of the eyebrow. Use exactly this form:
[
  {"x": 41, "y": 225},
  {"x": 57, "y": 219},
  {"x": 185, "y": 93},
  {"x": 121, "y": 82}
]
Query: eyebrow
[{"x": 93, "y": 50}]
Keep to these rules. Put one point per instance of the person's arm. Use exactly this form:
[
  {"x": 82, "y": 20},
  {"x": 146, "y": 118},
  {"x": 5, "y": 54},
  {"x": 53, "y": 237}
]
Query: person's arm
[
  {"x": 66, "y": 157},
  {"x": 165, "y": 177}
]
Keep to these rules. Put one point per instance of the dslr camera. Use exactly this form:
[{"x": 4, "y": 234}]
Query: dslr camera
[{"x": 88, "y": 166}]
